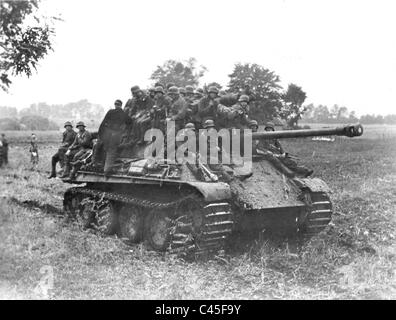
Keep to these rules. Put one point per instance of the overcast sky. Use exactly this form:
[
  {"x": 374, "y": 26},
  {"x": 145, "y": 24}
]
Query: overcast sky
[{"x": 339, "y": 52}]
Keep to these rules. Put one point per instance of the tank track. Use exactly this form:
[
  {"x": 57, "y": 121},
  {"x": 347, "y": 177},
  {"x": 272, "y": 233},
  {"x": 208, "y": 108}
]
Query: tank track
[
  {"x": 186, "y": 238},
  {"x": 320, "y": 213}
]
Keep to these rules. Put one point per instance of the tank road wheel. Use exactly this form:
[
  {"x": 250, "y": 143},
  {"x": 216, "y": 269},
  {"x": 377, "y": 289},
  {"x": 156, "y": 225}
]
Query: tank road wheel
[
  {"x": 131, "y": 223},
  {"x": 158, "y": 229},
  {"x": 76, "y": 207},
  {"x": 106, "y": 219},
  {"x": 318, "y": 215}
]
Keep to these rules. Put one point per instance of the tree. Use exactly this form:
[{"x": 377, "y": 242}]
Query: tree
[
  {"x": 293, "y": 109},
  {"x": 25, "y": 38},
  {"x": 253, "y": 78},
  {"x": 181, "y": 73}
]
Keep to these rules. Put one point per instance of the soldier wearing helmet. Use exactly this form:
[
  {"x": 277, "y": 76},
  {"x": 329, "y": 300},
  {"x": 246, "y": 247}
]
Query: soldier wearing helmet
[
  {"x": 253, "y": 125},
  {"x": 189, "y": 97},
  {"x": 238, "y": 116},
  {"x": 182, "y": 92},
  {"x": 207, "y": 106},
  {"x": 68, "y": 138},
  {"x": 178, "y": 109},
  {"x": 161, "y": 108},
  {"x": 81, "y": 144},
  {"x": 198, "y": 94}
]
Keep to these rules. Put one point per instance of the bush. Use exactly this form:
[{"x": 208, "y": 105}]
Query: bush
[
  {"x": 9, "y": 124},
  {"x": 38, "y": 123}
]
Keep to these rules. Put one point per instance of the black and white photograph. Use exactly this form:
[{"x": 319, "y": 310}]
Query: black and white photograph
[{"x": 197, "y": 151}]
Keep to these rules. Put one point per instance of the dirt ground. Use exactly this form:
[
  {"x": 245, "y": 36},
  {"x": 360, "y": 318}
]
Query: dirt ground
[{"x": 44, "y": 256}]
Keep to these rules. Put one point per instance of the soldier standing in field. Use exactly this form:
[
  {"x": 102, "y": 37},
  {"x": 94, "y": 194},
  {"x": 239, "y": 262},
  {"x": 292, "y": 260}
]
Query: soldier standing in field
[
  {"x": 4, "y": 142},
  {"x": 81, "y": 144},
  {"x": 34, "y": 156},
  {"x": 68, "y": 138}
]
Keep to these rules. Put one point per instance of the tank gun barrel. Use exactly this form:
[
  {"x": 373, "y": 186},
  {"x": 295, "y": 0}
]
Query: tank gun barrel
[{"x": 347, "y": 131}]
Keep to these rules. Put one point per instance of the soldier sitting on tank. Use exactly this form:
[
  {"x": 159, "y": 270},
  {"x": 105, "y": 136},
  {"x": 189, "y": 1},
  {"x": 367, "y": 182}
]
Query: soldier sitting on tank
[
  {"x": 140, "y": 115},
  {"x": 207, "y": 106},
  {"x": 273, "y": 147},
  {"x": 68, "y": 138},
  {"x": 235, "y": 117},
  {"x": 160, "y": 109},
  {"x": 178, "y": 108},
  {"x": 81, "y": 145},
  {"x": 110, "y": 133},
  {"x": 192, "y": 107}
]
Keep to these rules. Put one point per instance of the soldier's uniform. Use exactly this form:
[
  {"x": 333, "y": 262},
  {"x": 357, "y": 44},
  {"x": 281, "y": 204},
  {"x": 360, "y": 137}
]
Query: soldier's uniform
[
  {"x": 78, "y": 149},
  {"x": 34, "y": 156},
  {"x": 207, "y": 106},
  {"x": 110, "y": 133},
  {"x": 235, "y": 117},
  {"x": 178, "y": 109},
  {"x": 160, "y": 110},
  {"x": 68, "y": 137}
]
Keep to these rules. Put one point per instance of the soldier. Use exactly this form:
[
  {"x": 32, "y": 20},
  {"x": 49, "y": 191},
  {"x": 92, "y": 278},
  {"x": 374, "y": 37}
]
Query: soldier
[
  {"x": 182, "y": 92},
  {"x": 178, "y": 109},
  {"x": 238, "y": 117},
  {"x": 273, "y": 147},
  {"x": 4, "y": 142},
  {"x": 110, "y": 133},
  {"x": 139, "y": 111},
  {"x": 1, "y": 153},
  {"x": 130, "y": 105},
  {"x": 68, "y": 138},
  {"x": 189, "y": 94},
  {"x": 207, "y": 106},
  {"x": 199, "y": 93},
  {"x": 160, "y": 110},
  {"x": 34, "y": 156},
  {"x": 152, "y": 93},
  {"x": 78, "y": 149}
]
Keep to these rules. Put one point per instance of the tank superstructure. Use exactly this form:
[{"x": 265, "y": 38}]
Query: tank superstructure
[{"x": 194, "y": 209}]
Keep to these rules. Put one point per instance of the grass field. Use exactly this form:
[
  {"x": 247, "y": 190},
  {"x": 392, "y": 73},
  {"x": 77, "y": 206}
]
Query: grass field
[{"x": 354, "y": 258}]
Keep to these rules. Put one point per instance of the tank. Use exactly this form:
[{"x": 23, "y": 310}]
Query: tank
[{"x": 194, "y": 208}]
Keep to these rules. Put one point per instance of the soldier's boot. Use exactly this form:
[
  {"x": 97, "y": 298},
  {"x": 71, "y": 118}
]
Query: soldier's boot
[
  {"x": 53, "y": 170},
  {"x": 66, "y": 172}
]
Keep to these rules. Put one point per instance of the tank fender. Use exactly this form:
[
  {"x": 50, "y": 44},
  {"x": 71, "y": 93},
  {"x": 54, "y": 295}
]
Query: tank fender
[
  {"x": 313, "y": 184},
  {"x": 213, "y": 191}
]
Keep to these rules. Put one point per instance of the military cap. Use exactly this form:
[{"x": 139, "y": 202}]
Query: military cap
[
  {"x": 213, "y": 89},
  {"x": 173, "y": 89},
  {"x": 118, "y": 102},
  {"x": 243, "y": 98},
  {"x": 68, "y": 123},
  {"x": 208, "y": 124},
  {"x": 189, "y": 89},
  {"x": 80, "y": 124},
  {"x": 269, "y": 125},
  {"x": 182, "y": 90},
  {"x": 159, "y": 89},
  {"x": 253, "y": 123},
  {"x": 199, "y": 91},
  {"x": 189, "y": 125},
  {"x": 135, "y": 89},
  {"x": 222, "y": 93}
]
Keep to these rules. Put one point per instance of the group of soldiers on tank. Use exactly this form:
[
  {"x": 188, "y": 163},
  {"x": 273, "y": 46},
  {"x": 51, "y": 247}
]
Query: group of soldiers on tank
[{"x": 123, "y": 128}]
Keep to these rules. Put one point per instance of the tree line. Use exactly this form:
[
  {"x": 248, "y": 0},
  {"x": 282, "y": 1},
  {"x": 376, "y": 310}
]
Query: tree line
[
  {"x": 44, "y": 116},
  {"x": 340, "y": 114}
]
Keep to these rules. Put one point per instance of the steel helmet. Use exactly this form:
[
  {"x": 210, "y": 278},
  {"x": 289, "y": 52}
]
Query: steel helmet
[
  {"x": 208, "y": 124},
  {"x": 243, "y": 98}
]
